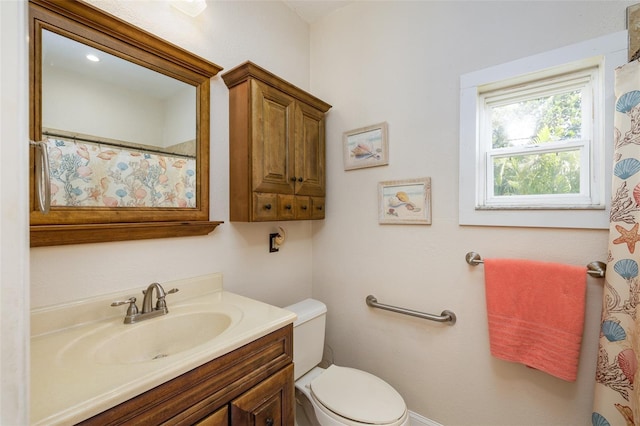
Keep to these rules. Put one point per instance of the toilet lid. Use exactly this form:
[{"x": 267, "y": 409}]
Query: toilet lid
[{"x": 358, "y": 395}]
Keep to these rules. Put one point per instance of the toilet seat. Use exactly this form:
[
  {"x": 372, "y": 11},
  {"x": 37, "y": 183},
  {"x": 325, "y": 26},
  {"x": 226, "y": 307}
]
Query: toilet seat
[{"x": 358, "y": 396}]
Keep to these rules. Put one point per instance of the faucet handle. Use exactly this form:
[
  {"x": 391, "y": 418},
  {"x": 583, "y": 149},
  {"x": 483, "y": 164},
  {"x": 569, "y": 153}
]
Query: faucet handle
[
  {"x": 161, "y": 303},
  {"x": 132, "y": 310}
]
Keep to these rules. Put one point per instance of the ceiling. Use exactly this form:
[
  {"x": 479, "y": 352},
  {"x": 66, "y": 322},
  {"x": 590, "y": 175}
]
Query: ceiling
[{"x": 313, "y": 10}]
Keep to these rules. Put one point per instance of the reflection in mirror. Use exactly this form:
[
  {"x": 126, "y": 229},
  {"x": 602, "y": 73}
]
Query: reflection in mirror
[{"x": 119, "y": 134}]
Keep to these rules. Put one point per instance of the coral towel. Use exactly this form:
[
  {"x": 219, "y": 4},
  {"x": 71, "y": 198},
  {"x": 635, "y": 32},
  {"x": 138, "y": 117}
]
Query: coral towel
[{"x": 536, "y": 313}]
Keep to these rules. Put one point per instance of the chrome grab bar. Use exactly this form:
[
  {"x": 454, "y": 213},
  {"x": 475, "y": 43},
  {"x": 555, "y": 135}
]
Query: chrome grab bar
[
  {"x": 596, "y": 269},
  {"x": 446, "y": 316}
]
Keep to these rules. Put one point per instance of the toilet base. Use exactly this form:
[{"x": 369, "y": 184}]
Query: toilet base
[
  {"x": 305, "y": 415},
  {"x": 311, "y": 413}
]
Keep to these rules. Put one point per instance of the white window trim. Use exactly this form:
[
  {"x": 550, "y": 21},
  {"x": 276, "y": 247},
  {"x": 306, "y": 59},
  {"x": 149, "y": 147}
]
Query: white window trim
[{"x": 613, "y": 49}]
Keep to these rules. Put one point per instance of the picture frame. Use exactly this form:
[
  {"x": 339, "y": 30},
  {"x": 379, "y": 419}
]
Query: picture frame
[
  {"x": 366, "y": 147},
  {"x": 405, "y": 201}
]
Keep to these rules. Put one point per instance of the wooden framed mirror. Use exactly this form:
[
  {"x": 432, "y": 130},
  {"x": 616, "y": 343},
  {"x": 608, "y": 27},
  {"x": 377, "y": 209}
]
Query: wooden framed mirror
[{"x": 127, "y": 136}]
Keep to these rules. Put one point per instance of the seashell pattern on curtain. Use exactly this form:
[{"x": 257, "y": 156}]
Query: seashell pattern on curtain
[
  {"x": 617, "y": 389},
  {"x": 94, "y": 175}
]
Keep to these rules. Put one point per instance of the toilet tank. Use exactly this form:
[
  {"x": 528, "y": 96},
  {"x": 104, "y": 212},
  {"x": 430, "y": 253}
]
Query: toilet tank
[{"x": 308, "y": 335}]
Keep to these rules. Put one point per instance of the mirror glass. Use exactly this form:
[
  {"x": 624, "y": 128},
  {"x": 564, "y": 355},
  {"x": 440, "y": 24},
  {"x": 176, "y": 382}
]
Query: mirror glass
[{"x": 118, "y": 134}]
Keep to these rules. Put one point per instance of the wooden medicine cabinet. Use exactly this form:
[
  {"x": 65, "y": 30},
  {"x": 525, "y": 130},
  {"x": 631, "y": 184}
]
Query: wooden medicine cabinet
[{"x": 276, "y": 148}]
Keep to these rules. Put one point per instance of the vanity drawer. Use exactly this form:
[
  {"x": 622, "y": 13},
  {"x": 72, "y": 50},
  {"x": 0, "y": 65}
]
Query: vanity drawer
[{"x": 219, "y": 418}]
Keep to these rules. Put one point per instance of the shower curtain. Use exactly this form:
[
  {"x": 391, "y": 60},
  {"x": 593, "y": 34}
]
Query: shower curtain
[{"x": 617, "y": 389}]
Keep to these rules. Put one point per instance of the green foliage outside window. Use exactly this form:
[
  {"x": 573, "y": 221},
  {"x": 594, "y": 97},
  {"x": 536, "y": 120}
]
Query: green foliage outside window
[{"x": 535, "y": 122}]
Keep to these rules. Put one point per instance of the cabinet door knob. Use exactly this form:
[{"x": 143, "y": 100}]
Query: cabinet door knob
[
  {"x": 267, "y": 206},
  {"x": 288, "y": 207},
  {"x": 319, "y": 207},
  {"x": 293, "y": 179},
  {"x": 304, "y": 207},
  {"x": 269, "y": 421},
  {"x": 300, "y": 179}
]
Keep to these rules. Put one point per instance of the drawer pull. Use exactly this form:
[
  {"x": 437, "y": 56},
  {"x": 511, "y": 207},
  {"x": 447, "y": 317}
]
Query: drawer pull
[
  {"x": 288, "y": 207},
  {"x": 304, "y": 207},
  {"x": 269, "y": 421},
  {"x": 319, "y": 207},
  {"x": 267, "y": 206}
]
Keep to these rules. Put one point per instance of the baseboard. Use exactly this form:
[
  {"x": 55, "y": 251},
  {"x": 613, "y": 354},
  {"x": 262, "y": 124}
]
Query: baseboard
[{"x": 418, "y": 420}]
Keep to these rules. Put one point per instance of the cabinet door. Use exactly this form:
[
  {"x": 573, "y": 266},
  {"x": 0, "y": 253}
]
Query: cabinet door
[
  {"x": 310, "y": 151},
  {"x": 269, "y": 403},
  {"x": 272, "y": 135}
]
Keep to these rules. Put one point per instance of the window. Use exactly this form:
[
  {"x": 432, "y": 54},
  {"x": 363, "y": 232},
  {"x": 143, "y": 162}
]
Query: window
[
  {"x": 536, "y": 143},
  {"x": 536, "y": 138}
]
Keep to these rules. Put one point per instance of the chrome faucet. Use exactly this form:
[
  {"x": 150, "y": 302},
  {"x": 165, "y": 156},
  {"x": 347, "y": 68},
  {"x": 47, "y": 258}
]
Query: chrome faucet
[
  {"x": 147, "y": 302},
  {"x": 148, "y": 311}
]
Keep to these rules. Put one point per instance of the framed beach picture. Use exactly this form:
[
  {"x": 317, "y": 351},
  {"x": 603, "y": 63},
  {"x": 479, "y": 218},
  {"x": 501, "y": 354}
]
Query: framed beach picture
[
  {"x": 405, "y": 201},
  {"x": 366, "y": 147}
]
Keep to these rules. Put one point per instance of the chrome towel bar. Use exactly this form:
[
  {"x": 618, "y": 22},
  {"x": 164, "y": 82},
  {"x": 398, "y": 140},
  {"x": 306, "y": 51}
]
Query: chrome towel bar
[
  {"x": 446, "y": 316},
  {"x": 595, "y": 269}
]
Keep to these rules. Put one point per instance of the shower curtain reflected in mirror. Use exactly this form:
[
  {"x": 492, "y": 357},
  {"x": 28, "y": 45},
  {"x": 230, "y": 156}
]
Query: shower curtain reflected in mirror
[{"x": 617, "y": 389}]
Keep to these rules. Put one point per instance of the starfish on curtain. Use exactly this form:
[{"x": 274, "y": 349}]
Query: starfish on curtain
[{"x": 628, "y": 236}]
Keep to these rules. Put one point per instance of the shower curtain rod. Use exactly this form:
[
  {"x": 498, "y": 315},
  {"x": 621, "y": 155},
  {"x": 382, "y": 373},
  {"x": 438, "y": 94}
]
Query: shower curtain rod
[
  {"x": 114, "y": 144},
  {"x": 596, "y": 269}
]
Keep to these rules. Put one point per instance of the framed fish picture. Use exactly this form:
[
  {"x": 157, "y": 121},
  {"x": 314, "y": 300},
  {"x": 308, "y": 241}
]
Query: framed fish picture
[
  {"x": 405, "y": 201},
  {"x": 366, "y": 147}
]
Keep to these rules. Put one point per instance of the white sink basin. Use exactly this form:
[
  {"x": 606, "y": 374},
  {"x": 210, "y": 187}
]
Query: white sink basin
[
  {"x": 155, "y": 338},
  {"x": 85, "y": 360},
  {"x": 186, "y": 327}
]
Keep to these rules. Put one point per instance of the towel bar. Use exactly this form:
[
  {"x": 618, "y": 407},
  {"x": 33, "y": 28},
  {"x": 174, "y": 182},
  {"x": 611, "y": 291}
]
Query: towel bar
[
  {"x": 595, "y": 269},
  {"x": 446, "y": 316}
]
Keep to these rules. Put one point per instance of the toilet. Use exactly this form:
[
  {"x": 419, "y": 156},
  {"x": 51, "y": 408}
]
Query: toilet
[{"x": 338, "y": 395}]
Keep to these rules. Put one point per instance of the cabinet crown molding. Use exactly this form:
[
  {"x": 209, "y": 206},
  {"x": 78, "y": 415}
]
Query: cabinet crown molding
[{"x": 248, "y": 70}]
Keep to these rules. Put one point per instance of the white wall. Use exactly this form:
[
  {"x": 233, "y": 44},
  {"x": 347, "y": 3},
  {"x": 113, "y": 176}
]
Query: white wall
[
  {"x": 401, "y": 62},
  {"x": 71, "y": 101},
  {"x": 227, "y": 33},
  {"x": 14, "y": 234},
  {"x": 179, "y": 116}
]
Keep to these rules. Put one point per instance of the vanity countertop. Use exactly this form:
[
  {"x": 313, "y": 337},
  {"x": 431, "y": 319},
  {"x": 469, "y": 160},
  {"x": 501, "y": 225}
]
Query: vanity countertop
[{"x": 72, "y": 379}]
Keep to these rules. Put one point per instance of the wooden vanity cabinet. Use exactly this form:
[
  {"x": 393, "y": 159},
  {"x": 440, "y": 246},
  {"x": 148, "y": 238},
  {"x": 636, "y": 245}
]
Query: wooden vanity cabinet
[
  {"x": 252, "y": 385},
  {"x": 276, "y": 148},
  {"x": 266, "y": 403}
]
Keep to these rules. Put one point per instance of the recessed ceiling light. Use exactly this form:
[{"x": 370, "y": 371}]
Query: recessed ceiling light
[{"x": 92, "y": 57}]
